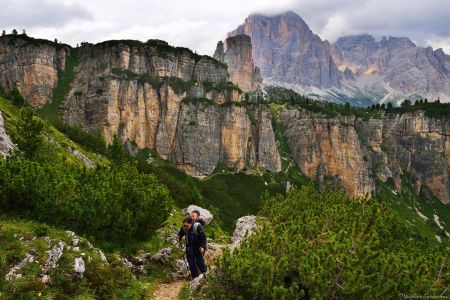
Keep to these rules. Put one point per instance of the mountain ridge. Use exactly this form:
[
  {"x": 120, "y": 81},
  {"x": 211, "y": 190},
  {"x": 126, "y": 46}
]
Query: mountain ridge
[{"x": 355, "y": 68}]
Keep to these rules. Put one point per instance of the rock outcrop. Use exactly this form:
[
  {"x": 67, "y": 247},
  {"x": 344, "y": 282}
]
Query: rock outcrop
[
  {"x": 6, "y": 144},
  {"x": 172, "y": 100},
  {"x": 32, "y": 65},
  {"x": 394, "y": 66},
  {"x": 328, "y": 150},
  {"x": 354, "y": 153},
  {"x": 286, "y": 50},
  {"x": 245, "y": 226},
  {"x": 238, "y": 57},
  {"x": 205, "y": 214}
]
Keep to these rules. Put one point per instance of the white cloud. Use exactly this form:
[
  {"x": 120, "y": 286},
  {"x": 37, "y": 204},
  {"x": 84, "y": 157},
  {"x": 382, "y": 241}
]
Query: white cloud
[{"x": 199, "y": 24}]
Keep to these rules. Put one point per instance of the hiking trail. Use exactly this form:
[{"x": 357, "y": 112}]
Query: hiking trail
[{"x": 168, "y": 291}]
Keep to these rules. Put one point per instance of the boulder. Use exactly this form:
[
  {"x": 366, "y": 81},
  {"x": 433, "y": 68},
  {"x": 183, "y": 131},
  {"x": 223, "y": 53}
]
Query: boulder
[
  {"x": 162, "y": 255},
  {"x": 205, "y": 214},
  {"x": 244, "y": 227},
  {"x": 79, "y": 267},
  {"x": 197, "y": 282},
  {"x": 182, "y": 269}
]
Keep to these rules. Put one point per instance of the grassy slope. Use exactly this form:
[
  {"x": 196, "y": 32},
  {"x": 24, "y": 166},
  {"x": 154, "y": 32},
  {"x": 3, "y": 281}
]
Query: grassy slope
[
  {"x": 18, "y": 237},
  {"x": 229, "y": 195},
  {"x": 406, "y": 203},
  {"x": 11, "y": 114}
]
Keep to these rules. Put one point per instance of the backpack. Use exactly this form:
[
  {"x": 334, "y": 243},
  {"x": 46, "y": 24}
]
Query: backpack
[{"x": 195, "y": 231}]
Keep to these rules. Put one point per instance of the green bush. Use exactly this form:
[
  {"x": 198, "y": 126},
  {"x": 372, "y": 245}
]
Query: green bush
[
  {"x": 114, "y": 203},
  {"x": 17, "y": 97},
  {"x": 328, "y": 245}
]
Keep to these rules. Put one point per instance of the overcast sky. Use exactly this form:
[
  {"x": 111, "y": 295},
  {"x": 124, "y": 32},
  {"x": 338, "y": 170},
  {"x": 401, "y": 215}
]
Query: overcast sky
[{"x": 199, "y": 24}]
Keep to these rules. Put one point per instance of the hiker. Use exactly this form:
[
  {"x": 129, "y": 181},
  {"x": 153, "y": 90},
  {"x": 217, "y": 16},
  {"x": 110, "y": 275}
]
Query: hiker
[
  {"x": 195, "y": 245},
  {"x": 195, "y": 215}
]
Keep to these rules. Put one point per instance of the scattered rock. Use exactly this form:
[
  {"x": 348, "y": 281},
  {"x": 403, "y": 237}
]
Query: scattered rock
[
  {"x": 126, "y": 262},
  {"x": 81, "y": 156},
  {"x": 214, "y": 250},
  {"x": 205, "y": 214},
  {"x": 54, "y": 255},
  {"x": 139, "y": 270},
  {"x": 182, "y": 269},
  {"x": 75, "y": 242},
  {"x": 76, "y": 249},
  {"x": 197, "y": 282},
  {"x": 244, "y": 227},
  {"x": 70, "y": 233},
  {"x": 79, "y": 267},
  {"x": 162, "y": 255},
  {"x": 46, "y": 279},
  {"x": 13, "y": 273}
]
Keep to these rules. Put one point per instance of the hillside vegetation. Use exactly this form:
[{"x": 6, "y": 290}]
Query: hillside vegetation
[{"x": 328, "y": 245}]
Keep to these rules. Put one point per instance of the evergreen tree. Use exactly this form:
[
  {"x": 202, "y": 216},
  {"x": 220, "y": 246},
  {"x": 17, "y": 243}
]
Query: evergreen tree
[
  {"x": 30, "y": 133},
  {"x": 17, "y": 97},
  {"x": 116, "y": 151}
]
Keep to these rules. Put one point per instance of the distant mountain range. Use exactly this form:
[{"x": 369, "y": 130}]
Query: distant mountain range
[{"x": 357, "y": 69}]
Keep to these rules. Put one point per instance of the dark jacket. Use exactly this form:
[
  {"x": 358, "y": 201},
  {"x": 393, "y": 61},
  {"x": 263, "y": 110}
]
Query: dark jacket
[{"x": 194, "y": 241}]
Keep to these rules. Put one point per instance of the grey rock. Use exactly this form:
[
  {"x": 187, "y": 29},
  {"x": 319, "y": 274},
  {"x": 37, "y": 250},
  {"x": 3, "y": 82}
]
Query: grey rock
[
  {"x": 162, "y": 255},
  {"x": 197, "y": 282},
  {"x": 79, "y": 267},
  {"x": 81, "y": 156},
  {"x": 54, "y": 255},
  {"x": 182, "y": 268},
  {"x": 6, "y": 144},
  {"x": 245, "y": 226},
  {"x": 204, "y": 213},
  {"x": 139, "y": 270},
  {"x": 13, "y": 273}
]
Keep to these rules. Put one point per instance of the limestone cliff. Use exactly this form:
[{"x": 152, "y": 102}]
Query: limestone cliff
[
  {"x": 32, "y": 65},
  {"x": 184, "y": 106},
  {"x": 328, "y": 150},
  {"x": 238, "y": 56},
  {"x": 172, "y": 100},
  {"x": 354, "y": 153}
]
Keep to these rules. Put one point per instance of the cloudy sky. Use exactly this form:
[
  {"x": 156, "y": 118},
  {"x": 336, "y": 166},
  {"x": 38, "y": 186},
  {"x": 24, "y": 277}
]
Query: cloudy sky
[{"x": 199, "y": 24}]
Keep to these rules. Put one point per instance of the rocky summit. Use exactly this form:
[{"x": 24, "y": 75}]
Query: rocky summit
[{"x": 357, "y": 69}]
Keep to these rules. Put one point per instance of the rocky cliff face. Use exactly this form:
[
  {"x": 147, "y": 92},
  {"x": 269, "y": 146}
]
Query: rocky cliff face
[
  {"x": 328, "y": 150},
  {"x": 32, "y": 65},
  {"x": 238, "y": 57},
  {"x": 354, "y": 153},
  {"x": 6, "y": 145},
  {"x": 286, "y": 50},
  {"x": 395, "y": 66},
  {"x": 172, "y": 100}
]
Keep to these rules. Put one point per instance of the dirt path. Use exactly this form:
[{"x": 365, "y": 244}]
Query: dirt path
[{"x": 168, "y": 291}]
